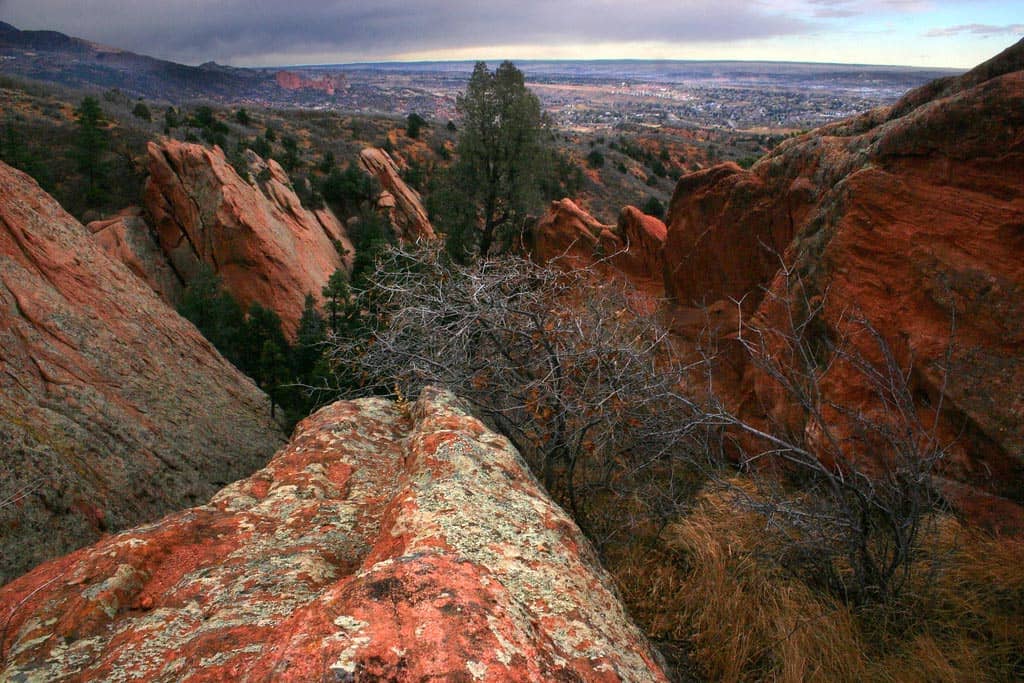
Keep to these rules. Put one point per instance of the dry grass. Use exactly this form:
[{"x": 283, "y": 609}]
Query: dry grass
[{"x": 711, "y": 582}]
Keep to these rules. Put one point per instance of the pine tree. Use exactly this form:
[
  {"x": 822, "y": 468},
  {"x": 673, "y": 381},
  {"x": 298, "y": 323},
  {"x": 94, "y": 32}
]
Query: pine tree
[
  {"x": 501, "y": 156},
  {"x": 90, "y": 145}
]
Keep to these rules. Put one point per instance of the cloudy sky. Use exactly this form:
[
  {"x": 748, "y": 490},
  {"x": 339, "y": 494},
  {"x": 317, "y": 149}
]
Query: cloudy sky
[{"x": 950, "y": 33}]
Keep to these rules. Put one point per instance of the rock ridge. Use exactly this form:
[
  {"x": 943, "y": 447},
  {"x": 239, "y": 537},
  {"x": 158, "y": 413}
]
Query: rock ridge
[{"x": 385, "y": 542}]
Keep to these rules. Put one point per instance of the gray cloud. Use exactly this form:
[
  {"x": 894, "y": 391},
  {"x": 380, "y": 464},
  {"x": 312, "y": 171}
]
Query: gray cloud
[
  {"x": 244, "y": 31},
  {"x": 977, "y": 30}
]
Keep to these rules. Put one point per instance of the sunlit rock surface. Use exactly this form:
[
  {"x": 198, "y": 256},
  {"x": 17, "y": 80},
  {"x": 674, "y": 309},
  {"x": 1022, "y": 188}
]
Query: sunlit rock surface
[
  {"x": 403, "y": 205},
  {"x": 253, "y": 232}
]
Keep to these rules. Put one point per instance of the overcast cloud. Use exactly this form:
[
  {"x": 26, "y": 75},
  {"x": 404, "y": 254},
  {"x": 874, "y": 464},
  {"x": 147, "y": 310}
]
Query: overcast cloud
[
  {"x": 240, "y": 31},
  {"x": 252, "y": 32}
]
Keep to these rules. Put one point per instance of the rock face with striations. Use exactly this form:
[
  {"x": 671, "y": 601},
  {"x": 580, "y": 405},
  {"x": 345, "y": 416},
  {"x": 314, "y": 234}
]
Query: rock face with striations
[
  {"x": 385, "y": 542},
  {"x": 402, "y": 203},
  {"x": 255, "y": 234},
  {"x": 113, "y": 409},
  {"x": 910, "y": 217}
]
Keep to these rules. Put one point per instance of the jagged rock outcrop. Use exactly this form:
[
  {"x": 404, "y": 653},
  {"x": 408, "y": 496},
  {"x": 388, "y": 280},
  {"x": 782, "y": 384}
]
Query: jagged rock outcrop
[
  {"x": 569, "y": 235},
  {"x": 113, "y": 409},
  {"x": 386, "y": 542},
  {"x": 401, "y": 203},
  {"x": 256, "y": 235},
  {"x": 633, "y": 247},
  {"x": 128, "y": 238},
  {"x": 910, "y": 217},
  {"x": 643, "y": 238}
]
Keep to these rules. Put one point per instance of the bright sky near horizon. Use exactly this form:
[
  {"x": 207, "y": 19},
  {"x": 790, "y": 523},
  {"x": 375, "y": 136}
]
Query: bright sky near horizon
[{"x": 937, "y": 33}]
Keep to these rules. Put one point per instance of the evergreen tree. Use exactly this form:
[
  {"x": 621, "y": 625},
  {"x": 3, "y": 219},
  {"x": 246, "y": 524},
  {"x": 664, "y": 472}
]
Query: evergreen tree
[
  {"x": 309, "y": 340},
  {"x": 141, "y": 111},
  {"x": 336, "y": 294},
  {"x": 501, "y": 157},
  {"x": 215, "y": 312},
  {"x": 90, "y": 145},
  {"x": 414, "y": 124}
]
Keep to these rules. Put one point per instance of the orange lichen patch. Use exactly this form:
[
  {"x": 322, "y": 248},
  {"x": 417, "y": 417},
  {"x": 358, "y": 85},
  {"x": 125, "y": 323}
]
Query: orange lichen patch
[{"x": 374, "y": 546}]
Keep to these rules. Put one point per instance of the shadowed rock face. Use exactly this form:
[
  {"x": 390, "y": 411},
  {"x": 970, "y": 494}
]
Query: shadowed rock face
[
  {"x": 384, "y": 542},
  {"x": 402, "y": 203},
  {"x": 911, "y": 217},
  {"x": 113, "y": 409},
  {"x": 127, "y": 238},
  {"x": 256, "y": 235}
]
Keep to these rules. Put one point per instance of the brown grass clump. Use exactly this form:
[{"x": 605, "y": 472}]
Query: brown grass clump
[{"x": 712, "y": 582}]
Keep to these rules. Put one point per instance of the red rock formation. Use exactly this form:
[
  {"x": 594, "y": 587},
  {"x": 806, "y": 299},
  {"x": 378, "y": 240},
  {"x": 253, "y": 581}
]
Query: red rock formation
[
  {"x": 128, "y": 239},
  {"x": 911, "y": 217},
  {"x": 381, "y": 544},
  {"x": 401, "y": 203},
  {"x": 643, "y": 239},
  {"x": 113, "y": 409},
  {"x": 255, "y": 233},
  {"x": 327, "y": 84},
  {"x": 568, "y": 235}
]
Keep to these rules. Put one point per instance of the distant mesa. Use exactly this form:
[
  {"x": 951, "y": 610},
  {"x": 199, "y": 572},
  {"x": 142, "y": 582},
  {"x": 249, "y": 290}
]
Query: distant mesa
[{"x": 327, "y": 84}]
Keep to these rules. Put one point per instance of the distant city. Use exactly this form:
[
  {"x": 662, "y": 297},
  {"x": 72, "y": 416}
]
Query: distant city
[{"x": 582, "y": 95}]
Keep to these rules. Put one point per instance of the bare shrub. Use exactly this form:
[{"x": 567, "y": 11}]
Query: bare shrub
[
  {"x": 560, "y": 362},
  {"x": 862, "y": 472}
]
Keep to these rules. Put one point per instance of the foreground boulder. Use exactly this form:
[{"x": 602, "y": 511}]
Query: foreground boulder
[
  {"x": 403, "y": 205},
  {"x": 114, "y": 410},
  {"x": 908, "y": 221},
  {"x": 386, "y": 542},
  {"x": 254, "y": 232}
]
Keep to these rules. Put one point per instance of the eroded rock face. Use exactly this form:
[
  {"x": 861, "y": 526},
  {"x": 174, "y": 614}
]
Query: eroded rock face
[
  {"x": 127, "y": 238},
  {"x": 402, "y": 204},
  {"x": 256, "y": 235},
  {"x": 632, "y": 248},
  {"x": 910, "y": 217},
  {"x": 113, "y": 409},
  {"x": 382, "y": 544}
]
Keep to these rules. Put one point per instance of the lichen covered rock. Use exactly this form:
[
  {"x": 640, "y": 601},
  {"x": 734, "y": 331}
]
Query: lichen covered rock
[{"x": 382, "y": 543}]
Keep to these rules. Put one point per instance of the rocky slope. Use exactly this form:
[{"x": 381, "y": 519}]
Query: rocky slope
[
  {"x": 254, "y": 232},
  {"x": 403, "y": 205},
  {"x": 910, "y": 219},
  {"x": 113, "y": 409},
  {"x": 386, "y": 542}
]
